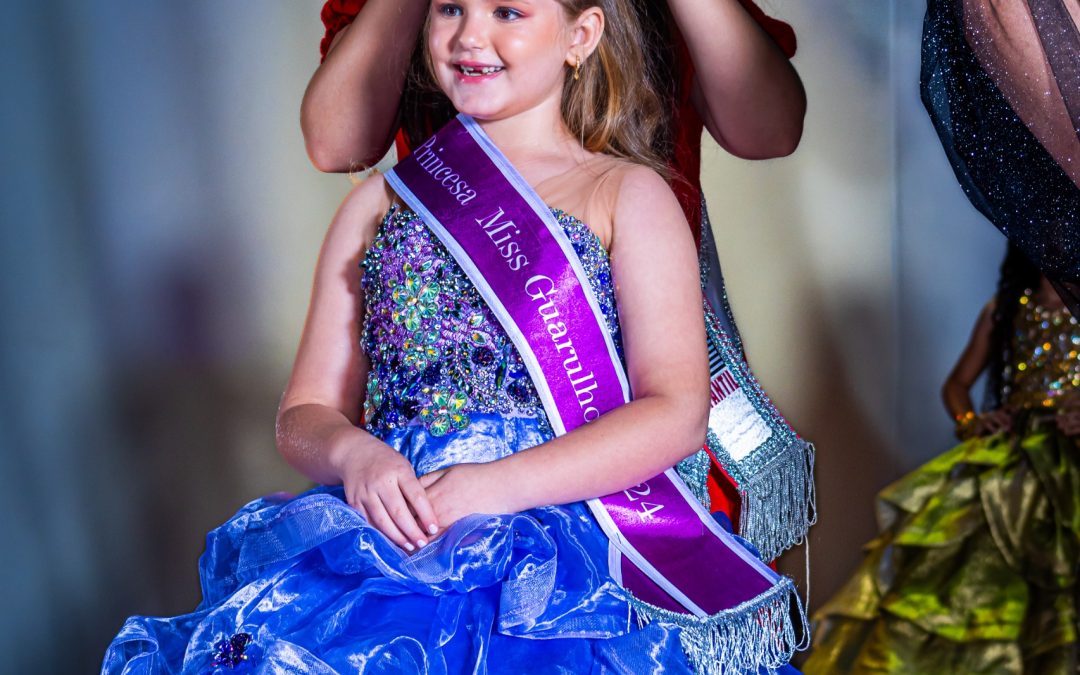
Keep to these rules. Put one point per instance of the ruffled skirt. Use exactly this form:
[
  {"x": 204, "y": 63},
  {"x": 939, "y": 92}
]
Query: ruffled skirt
[
  {"x": 306, "y": 585},
  {"x": 976, "y": 567}
]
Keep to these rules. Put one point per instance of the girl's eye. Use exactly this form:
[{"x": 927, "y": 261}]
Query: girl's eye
[
  {"x": 508, "y": 14},
  {"x": 449, "y": 10}
]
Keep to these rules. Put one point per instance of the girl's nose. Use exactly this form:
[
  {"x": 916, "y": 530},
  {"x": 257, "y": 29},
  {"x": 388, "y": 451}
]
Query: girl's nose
[{"x": 473, "y": 33}]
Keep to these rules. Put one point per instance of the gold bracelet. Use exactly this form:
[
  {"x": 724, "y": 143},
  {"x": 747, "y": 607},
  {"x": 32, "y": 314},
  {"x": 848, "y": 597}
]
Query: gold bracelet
[{"x": 965, "y": 423}]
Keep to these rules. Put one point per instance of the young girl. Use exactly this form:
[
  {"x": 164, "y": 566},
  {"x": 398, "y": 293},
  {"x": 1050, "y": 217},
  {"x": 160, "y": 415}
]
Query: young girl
[
  {"x": 459, "y": 540},
  {"x": 721, "y": 66},
  {"x": 976, "y": 569}
]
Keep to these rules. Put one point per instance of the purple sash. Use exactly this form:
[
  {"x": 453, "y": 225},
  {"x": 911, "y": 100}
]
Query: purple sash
[{"x": 665, "y": 547}]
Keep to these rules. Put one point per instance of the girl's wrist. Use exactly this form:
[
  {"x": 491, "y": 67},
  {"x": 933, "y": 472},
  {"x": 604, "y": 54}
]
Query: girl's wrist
[
  {"x": 345, "y": 443},
  {"x": 965, "y": 424},
  {"x": 514, "y": 489}
]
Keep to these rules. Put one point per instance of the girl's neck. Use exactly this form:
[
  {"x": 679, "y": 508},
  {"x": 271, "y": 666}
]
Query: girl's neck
[{"x": 536, "y": 134}]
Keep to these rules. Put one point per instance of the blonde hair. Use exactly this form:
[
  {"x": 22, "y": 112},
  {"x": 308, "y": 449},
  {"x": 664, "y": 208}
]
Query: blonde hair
[{"x": 614, "y": 106}]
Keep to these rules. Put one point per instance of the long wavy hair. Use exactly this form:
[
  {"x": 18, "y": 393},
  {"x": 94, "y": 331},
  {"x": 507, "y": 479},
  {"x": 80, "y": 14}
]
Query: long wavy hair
[
  {"x": 1018, "y": 274},
  {"x": 617, "y": 106}
]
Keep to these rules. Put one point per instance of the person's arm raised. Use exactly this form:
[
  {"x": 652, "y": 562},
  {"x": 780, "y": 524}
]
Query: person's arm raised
[
  {"x": 654, "y": 266},
  {"x": 745, "y": 89},
  {"x": 317, "y": 421},
  {"x": 350, "y": 109}
]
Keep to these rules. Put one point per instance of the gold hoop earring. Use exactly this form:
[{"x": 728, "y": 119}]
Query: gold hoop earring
[{"x": 577, "y": 68}]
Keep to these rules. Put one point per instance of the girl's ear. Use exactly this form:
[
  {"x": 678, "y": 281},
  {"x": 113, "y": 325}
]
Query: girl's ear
[{"x": 585, "y": 34}]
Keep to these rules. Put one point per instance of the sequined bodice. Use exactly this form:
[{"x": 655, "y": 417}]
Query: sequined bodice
[
  {"x": 1046, "y": 357},
  {"x": 436, "y": 352}
]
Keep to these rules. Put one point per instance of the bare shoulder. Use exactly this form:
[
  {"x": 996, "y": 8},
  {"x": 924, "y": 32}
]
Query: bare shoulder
[
  {"x": 357, "y": 219},
  {"x": 372, "y": 197},
  {"x": 645, "y": 204},
  {"x": 635, "y": 179}
]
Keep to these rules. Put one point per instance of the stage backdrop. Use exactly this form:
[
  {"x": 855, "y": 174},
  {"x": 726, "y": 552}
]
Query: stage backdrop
[
  {"x": 856, "y": 267},
  {"x": 160, "y": 225}
]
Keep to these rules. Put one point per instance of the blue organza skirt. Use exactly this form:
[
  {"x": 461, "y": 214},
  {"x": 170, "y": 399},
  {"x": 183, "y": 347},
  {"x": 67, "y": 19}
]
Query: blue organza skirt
[{"x": 305, "y": 585}]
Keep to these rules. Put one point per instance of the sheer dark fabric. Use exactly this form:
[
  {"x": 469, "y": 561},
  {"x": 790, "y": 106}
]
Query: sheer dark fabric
[{"x": 1001, "y": 81}]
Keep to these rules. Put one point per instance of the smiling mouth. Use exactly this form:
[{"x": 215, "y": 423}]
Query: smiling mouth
[{"x": 478, "y": 71}]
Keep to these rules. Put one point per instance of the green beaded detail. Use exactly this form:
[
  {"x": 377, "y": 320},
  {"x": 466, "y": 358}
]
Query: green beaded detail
[{"x": 444, "y": 413}]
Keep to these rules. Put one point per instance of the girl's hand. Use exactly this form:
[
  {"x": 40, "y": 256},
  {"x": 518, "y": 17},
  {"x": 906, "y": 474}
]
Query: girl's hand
[
  {"x": 380, "y": 484},
  {"x": 464, "y": 489},
  {"x": 1068, "y": 420},
  {"x": 993, "y": 422}
]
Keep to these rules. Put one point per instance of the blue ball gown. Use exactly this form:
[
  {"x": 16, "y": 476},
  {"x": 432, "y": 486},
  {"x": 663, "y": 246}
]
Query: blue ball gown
[{"x": 306, "y": 585}]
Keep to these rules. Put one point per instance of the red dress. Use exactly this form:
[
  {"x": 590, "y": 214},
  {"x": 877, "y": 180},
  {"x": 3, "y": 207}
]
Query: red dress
[{"x": 686, "y": 161}]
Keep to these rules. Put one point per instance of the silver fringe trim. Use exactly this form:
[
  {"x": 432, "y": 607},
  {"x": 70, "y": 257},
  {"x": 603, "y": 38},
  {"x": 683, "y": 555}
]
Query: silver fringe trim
[
  {"x": 694, "y": 470},
  {"x": 779, "y": 503},
  {"x": 777, "y": 480},
  {"x": 763, "y": 632}
]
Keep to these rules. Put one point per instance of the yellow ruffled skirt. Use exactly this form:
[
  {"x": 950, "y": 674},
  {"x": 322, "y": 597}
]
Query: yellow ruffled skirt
[{"x": 975, "y": 570}]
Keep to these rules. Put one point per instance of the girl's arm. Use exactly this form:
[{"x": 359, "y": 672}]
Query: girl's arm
[
  {"x": 746, "y": 91},
  {"x": 659, "y": 298},
  {"x": 317, "y": 428},
  {"x": 349, "y": 111},
  {"x": 956, "y": 392}
]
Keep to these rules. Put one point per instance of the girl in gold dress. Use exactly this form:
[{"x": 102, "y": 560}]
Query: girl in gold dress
[{"x": 976, "y": 566}]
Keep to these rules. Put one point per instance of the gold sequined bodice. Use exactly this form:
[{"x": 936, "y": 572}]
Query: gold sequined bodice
[{"x": 1045, "y": 368}]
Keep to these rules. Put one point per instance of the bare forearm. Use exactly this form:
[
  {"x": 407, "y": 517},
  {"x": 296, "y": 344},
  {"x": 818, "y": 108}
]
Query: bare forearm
[
  {"x": 349, "y": 111},
  {"x": 957, "y": 398},
  {"x": 623, "y": 448},
  {"x": 315, "y": 438},
  {"x": 751, "y": 97}
]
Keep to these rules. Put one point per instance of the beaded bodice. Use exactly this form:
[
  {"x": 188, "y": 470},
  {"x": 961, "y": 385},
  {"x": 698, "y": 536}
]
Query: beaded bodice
[
  {"x": 437, "y": 354},
  {"x": 1045, "y": 368}
]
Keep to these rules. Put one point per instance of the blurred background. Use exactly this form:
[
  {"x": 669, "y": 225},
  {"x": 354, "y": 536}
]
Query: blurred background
[{"x": 160, "y": 225}]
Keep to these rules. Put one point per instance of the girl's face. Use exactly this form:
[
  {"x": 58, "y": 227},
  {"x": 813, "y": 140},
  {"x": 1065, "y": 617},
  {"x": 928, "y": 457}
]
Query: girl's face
[{"x": 496, "y": 58}]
